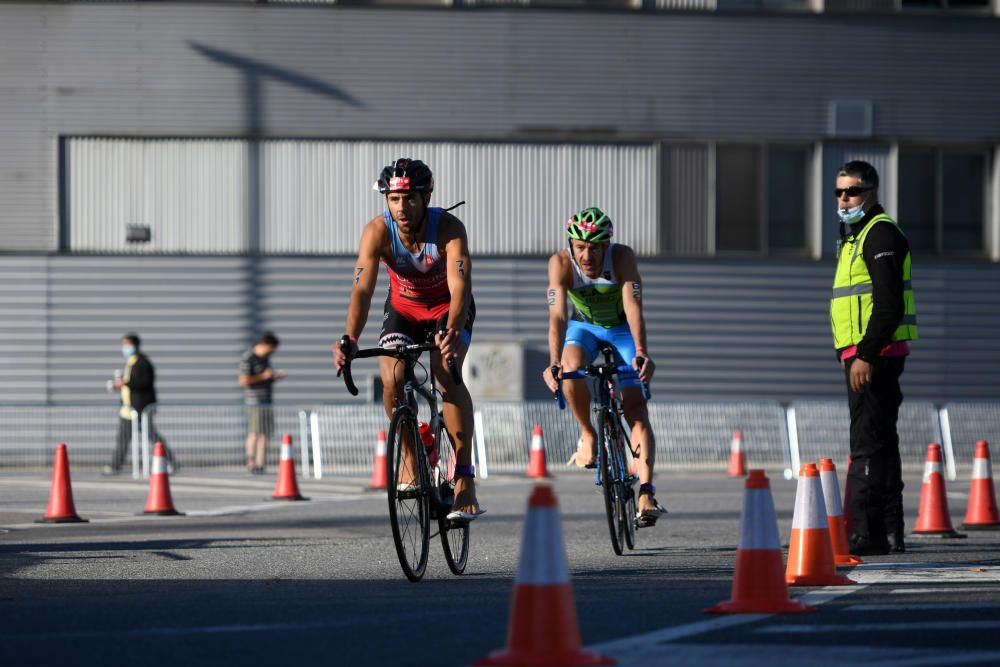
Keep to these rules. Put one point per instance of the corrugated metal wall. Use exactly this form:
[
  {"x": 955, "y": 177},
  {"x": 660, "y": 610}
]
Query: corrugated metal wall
[
  {"x": 316, "y": 196},
  {"x": 718, "y": 329},
  {"x": 238, "y": 70},
  {"x": 686, "y": 199},
  {"x": 190, "y": 193}
]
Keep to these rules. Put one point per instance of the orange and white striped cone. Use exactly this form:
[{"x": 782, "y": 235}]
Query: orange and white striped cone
[
  {"x": 378, "y": 467},
  {"x": 759, "y": 581},
  {"x": 835, "y": 514},
  {"x": 287, "y": 487},
  {"x": 159, "y": 501},
  {"x": 981, "y": 513},
  {"x": 61, "y": 508},
  {"x": 810, "y": 552},
  {"x": 737, "y": 463},
  {"x": 543, "y": 625},
  {"x": 933, "y": 517},
  {"x": 536, "y": 463}
]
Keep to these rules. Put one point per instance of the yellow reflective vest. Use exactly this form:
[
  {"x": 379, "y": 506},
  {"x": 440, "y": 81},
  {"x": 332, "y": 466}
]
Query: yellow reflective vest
[{"x": 851, "y": 301}]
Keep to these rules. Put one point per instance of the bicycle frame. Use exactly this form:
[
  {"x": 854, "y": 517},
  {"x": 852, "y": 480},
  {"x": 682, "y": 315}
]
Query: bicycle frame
[
  {"x": 612, "y": 469},
  {"x": 605, "y": 401}
]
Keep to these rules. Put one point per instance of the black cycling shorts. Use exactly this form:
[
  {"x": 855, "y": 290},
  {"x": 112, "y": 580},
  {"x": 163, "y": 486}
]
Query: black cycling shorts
[{"x": 398, "y": 329}]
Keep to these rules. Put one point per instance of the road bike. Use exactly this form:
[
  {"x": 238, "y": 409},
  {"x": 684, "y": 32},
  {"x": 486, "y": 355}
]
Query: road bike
[
  {"x": 613, "y": 445},
  {"x": 429, "y": 496}
]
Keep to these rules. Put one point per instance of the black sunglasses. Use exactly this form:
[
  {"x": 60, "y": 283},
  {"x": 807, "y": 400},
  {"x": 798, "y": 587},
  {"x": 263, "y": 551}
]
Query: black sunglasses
[{"x": 852, "y": 191}]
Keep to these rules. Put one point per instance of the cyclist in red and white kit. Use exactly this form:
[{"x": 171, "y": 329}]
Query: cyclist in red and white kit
[{"x": 425, "y": 250}]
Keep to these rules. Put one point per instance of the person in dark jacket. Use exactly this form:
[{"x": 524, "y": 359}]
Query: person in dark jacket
[
  {"x": 873, "y": 316},
  {"x": 137, "y": 385}
]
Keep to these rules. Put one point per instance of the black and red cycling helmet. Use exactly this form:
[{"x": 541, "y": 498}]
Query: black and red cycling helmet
[{"x": 405, "y": 175}]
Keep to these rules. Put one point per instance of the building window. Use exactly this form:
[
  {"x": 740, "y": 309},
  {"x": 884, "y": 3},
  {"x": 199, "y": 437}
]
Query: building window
[
  {"x": 942, "y": 197},
  {"x": 738, "y": 199},
  {"x": 760, "y": 199},
  {"x": 787, "y": 170}
]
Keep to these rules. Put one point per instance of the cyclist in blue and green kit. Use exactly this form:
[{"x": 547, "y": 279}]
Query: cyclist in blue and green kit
[{"x": 602, "y": 282}]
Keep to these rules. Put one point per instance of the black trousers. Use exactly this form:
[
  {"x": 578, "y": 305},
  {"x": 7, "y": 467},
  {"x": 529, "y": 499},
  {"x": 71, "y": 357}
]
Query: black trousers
[
  {"x": 875, "y": 478},
  {"x": 124, "y": 443}
]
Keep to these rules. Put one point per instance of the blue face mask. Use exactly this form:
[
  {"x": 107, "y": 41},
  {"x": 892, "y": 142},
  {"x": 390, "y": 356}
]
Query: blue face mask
[
  {"x": 849, "y": 216},
  {"x": 128, "y": 351}
]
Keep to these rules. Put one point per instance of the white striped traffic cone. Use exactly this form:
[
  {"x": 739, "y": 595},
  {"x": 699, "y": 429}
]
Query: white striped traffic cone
[
  {"x": 835, "y": 514},
  {"x": 981, "y": 513},
  {"x": 759, "y": 581},
  {"x": 933, "y": 517},
  {"x": 737, "y": 462},
  {"x": 159, "y": 501},
  {"x": 810, "y": 552},
  {"x": 543, "y": 625},
  {"x": 536, "y": 463},
  {"x": 287, "y": 487},
  {"x": 378, "y": 467}
]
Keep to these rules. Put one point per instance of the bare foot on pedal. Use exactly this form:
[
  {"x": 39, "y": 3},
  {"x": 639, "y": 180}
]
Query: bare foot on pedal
[
  {"x": 465, "y": 508},
  {"x": 584, "y": 456}
]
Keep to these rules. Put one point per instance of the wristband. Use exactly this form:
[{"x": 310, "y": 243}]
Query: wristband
[{"x": 640, "y": 351}]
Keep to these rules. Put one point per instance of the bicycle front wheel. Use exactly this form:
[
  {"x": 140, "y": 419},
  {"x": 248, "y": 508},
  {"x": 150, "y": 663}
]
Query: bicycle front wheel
[
  {"x": 628, "y": 488},
  {"x": 408, "y": 485},
  {"x": 614, "y": 500},
  {"x": 454, "y": 537}
]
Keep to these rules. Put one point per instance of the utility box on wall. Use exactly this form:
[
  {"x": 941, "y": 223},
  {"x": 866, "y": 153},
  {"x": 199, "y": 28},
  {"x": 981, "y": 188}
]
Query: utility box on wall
[{"x": 494, "y": 371}]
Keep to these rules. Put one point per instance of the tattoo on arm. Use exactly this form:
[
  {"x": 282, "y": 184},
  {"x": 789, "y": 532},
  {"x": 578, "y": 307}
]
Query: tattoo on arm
[
  {"x": 461, "y": 266},
  {"x": 637, "y": 291},
  {"x": 357, "y": 274},
  {"x": 552, "y": 297}
]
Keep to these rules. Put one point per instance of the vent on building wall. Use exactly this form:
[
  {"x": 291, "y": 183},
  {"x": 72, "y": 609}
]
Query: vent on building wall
[
  {"x": 851, "y": 119},
  {"x": 137, "y": 234}
]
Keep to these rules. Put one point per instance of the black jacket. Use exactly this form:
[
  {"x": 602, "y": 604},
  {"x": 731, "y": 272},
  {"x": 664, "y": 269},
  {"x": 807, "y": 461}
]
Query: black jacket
[
  {"x": 141, "y": 383},
  {"x": 884, "y": 251}
]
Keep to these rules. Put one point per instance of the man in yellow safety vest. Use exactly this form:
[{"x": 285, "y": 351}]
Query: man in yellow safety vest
[{"x": 873, "y": 317}]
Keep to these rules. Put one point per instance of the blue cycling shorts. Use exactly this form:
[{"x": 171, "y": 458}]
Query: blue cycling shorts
[{"x": 620, "y": 337}]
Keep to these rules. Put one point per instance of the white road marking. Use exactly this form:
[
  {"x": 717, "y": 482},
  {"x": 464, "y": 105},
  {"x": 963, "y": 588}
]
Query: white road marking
[
  {"x": 632, "y": 647},
  {"x": 783, "y": 655},
  {"x": 221, "y": 511},
  {"x": 648, "y": 649},
  {"x": 901, "y": 626},
  {"x": 949, "y": 589},
  {"x": 930, "y": 606}
]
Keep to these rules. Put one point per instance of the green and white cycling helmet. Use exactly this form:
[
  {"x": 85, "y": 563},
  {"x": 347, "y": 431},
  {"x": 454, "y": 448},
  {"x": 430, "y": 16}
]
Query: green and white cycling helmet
[{"x": 591, "y": 225}]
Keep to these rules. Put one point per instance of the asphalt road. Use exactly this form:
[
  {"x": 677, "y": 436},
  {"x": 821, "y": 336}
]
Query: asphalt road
[{"x": 245, "y": 580}]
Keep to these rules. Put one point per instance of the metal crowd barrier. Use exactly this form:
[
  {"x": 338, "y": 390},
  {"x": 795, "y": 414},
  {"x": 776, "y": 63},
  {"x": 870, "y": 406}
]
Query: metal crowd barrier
[{"x": 341, "y": 439}]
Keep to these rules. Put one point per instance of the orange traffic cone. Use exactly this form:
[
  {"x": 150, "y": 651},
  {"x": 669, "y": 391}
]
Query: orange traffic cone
[
  {"x": 536, "y": 463},
  {"x": 737, "y": 464},
  {"x": 981, "y": 514},
  {"x": 933, "y": 518},
  {"x": 835, "y": 514},
  {"x": 543, "y": 626},
  {"x": 287, "y": 488},
  {"x": 759, "y": 583},
  {"x": 810, "y": 552},
  {"x": 378, "y": 468},
  {"x": 159, "y": 501},
  {"x": 61, "y": 508}
]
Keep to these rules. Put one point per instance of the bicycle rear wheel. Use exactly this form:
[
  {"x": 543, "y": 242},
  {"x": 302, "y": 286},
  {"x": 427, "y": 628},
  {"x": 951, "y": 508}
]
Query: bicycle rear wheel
[
  {"x": 409, "y": 503},
  {"x": 614, "y": 501},
  {"x": 454, "y": 537}
]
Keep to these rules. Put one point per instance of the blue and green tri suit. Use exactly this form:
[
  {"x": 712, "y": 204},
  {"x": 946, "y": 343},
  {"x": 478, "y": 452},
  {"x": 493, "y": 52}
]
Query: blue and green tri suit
[{"x": 599, "y": 315}]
